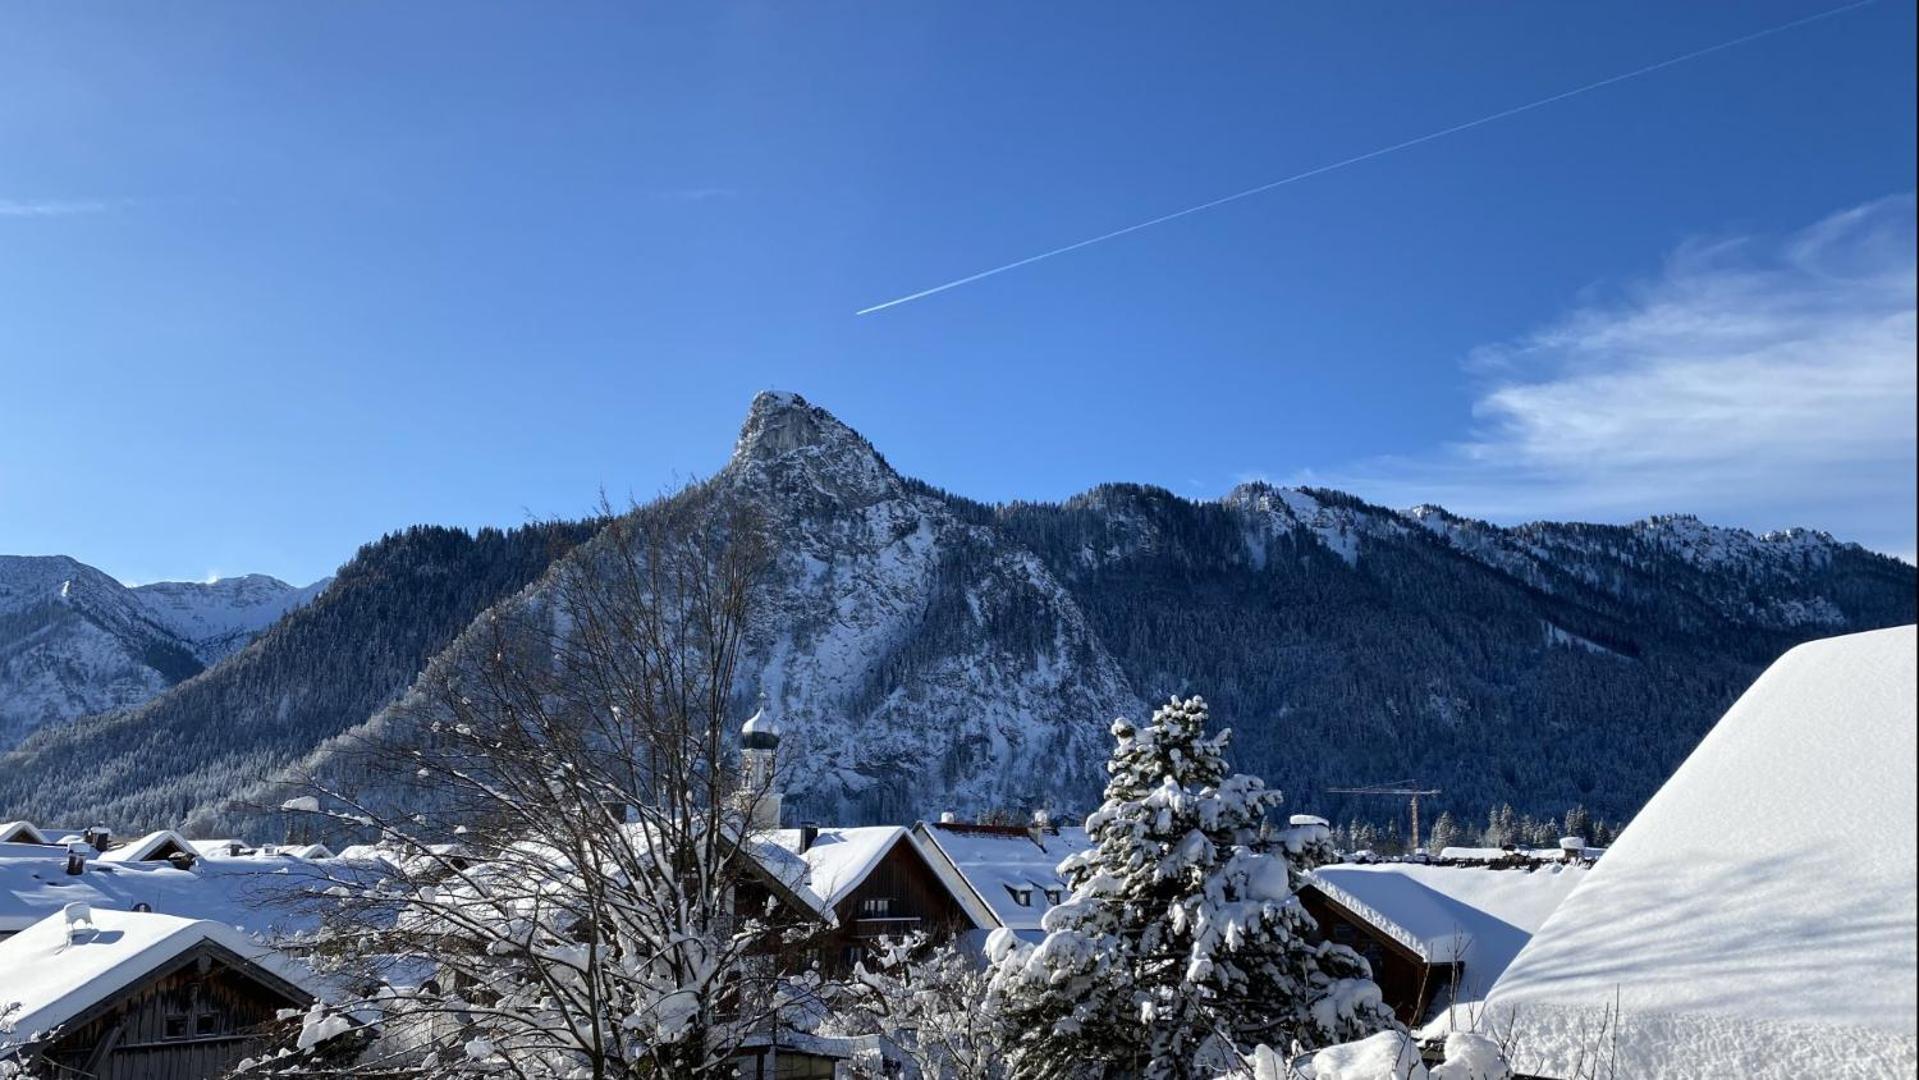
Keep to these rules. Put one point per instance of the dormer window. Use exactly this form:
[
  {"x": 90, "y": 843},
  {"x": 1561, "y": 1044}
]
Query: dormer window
[
  {"x": 1022, "y": 897},
  {"x": 1054, "y": 896}
]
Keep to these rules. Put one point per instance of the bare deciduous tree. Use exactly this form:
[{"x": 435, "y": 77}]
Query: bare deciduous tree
[{"x": 575, "y": 887}]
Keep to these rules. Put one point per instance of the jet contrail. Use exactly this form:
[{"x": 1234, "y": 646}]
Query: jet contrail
[{"x": 1369, "y": 155}]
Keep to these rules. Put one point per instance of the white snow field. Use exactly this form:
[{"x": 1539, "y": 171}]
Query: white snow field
[{"x": 1757, "y": 919}]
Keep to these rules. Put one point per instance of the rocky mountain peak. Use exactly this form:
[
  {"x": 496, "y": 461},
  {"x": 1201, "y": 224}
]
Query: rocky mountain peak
[{"x": 792, "y": 442}]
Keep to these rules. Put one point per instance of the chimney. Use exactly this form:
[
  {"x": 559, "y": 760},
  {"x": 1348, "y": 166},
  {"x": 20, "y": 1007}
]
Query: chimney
[
  {"x": 99, "y": 838},
  {"x": 77, "y": 858},
  {"x": 1572, "y": 848},
  {"x": 233, "y": 848},
  {"x": 809, "y": 835},
  {"x": 947, "y": 817}
]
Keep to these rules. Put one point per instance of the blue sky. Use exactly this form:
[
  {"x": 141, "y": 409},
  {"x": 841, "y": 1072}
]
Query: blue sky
[{"x": 275, "y": 279}]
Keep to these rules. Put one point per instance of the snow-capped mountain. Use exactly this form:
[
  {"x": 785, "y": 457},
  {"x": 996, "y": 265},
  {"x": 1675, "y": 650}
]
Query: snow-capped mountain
[
  {"x": 925, "y": 652},
  {"x": 877, "y": 642},
  {"x": 73, "y": 641},
  {"x": 219, "y": 616}
]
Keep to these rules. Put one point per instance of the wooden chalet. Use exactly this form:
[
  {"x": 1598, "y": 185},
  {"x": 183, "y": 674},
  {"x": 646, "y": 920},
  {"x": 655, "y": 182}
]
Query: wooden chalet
[
  {"x": 1409, "y": 981},
  {"x": 878, "y": 884},
  {"x": 1435, "y": 936},
  {"x": 121, "y": 995}
]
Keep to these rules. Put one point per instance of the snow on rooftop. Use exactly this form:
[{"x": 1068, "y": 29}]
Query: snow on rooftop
[
  {"x": 1472, "y": 916},
  {"x": 22, "y": 832},
  {"x": 1743, "y": 924},
  {"x": 839, "y": 859},
  {"x": 59, "y": 967},
  {"x": 250, "y": 893},
  {"x": 144, "y": 847},
  {"x": 1001, "y": 867}
]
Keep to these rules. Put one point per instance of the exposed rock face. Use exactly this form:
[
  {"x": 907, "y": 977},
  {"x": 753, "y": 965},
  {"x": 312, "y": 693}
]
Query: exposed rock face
[{"x": 74, "y": 641}]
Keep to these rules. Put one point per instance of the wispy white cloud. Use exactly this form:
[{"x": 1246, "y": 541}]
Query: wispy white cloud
[
  {"x": 1767, "y": 382},
  {"x": 47, "y": 208}
]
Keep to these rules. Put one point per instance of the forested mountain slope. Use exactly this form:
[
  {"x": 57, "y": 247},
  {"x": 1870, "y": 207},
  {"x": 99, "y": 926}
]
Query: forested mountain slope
[
  {"x": 321, "y": 669},
  {"x": 925, "y": 652}
]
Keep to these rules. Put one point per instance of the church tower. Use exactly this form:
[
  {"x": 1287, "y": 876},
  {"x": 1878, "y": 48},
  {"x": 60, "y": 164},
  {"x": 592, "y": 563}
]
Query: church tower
[{"x": 759, "y": 748}]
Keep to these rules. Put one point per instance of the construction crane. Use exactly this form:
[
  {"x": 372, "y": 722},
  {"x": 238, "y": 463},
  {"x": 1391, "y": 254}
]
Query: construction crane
[{"x": 1403, "y": 788}]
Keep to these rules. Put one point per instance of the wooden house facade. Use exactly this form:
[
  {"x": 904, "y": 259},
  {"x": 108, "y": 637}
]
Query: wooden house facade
[
  {"x": 196, "y": 1017},
  {"x": 124, "y": 995},
  {"x": 900, "y": 896},
  {"x": 1408, "y": 982}
]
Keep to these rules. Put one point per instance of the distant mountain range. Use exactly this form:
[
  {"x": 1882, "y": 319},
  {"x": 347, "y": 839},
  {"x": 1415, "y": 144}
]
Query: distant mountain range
[
  {"x": 74, "y": 641},
  {"x": 926, "y": 652}
]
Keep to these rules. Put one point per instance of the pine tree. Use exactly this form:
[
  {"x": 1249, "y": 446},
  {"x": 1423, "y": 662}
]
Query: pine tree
[
  {"x": 1180, "y": 944},
  {"x": 1579, "y": 823},
  {"x": 1445, "y": 834},
  {"x": 1502, "y": 826}
]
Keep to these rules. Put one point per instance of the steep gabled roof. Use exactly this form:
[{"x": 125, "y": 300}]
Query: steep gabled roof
[
  {"x": 1757, "y": 918},
  {"x": 838, "y": 860},
  {"x": 58, "y": 968},
  {"x": 988, "y": 868},
  {"x": 154, "y": 845},
  {"x": 22, "y": 832}
]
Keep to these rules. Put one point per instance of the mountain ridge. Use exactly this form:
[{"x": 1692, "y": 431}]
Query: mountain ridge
[
  {"x": 928, "y": 652},
  {"x": 76, "y": 641}
]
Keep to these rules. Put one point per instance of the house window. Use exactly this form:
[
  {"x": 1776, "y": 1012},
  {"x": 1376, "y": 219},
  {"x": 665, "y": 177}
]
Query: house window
[
  {"x": 854, "y": 954},
  {"x": 876, "y": 907},
  {"x": 1054, "y": 896},
  {"x": 1022, "y": 897},
  {"x": 176, "y": 1027},
  {"x": 206, "y": 1024}
]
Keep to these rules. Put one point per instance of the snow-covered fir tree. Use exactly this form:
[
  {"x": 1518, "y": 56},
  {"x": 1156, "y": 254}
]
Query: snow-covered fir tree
[
  {"x": 1180, "y": 946},
  {"x": 1445, "y": 834},
  {"x": 1502, "y": 827},
  {"x": 1579, "y": 823}
]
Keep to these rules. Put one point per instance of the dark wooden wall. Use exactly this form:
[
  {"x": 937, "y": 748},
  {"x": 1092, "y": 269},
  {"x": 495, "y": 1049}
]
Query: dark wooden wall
[
  {"x": 916, "y": 901},
  {"x": 1408, "y": 984},
  {"x": 193, "y": 1019}
]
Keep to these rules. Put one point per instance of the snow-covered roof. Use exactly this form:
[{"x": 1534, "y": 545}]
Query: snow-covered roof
[
  {"x": 1474, "y": 917},
  {"x": 1743, "y": 923},
  {"x": 242, "y": 892},
  {"x": 60, "y": 967},
  {"x": 991, "y": 869},
  {"x": 222, "y": 847},
  {"x": 147, "y": 847},
  {"x": 302, "y": 851},
  {"x": 22, "y": 832},
  {"x": 839, "y": 859},
  {"x": 1493, "y": 854}
]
